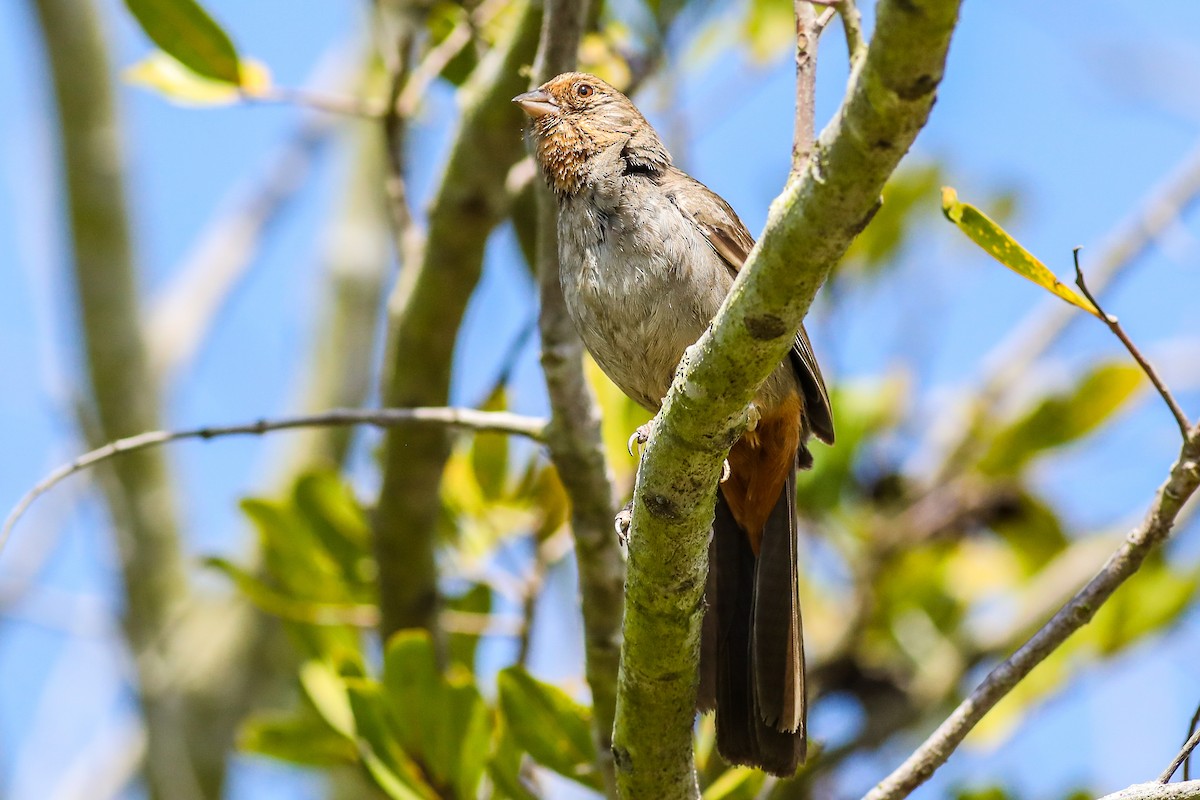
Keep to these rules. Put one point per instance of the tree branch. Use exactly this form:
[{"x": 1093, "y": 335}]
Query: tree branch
[
  {"x": 426, "y": 310},
  {"x": 808, "y": 230},
  {"x": 1153, "y": 531},
  {"x": 466, "y": 418},
  {"x": 574, "y": 437},
  {"x": 122, "y": 396},
  {"x": 1158, "y": 791}
]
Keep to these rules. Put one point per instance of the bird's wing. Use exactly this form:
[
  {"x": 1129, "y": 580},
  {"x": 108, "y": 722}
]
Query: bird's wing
[{"x": 727, "y": 235}]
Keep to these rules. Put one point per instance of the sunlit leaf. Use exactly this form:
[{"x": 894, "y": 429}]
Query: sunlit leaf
[
  {"x": 440, "y": 721},
  {"x": 549, "y": 725},
  {"x": 298, "y": 738},
  {"x": 1004, "y": 248},
  {"x": 326, "y": 690},
  {"x": 489, "y": 452},
  {"x": 275, "y": 603},
  {"x": 862, "y": 410},
  {"x": 737, "y": 783},
  {"x": 188, "y": 34},
  {"x": 329, "y": 507},
  {"x": 769, "y": 28},
  {"x": 504, "y": 765},
  {"x": 906, "y": 192},
  {"x": 462, "y": 645},
  {"x": 386, "y": 761},
  {"x": 1063, "y": 418},
  {"x": 174, "y": 81}
]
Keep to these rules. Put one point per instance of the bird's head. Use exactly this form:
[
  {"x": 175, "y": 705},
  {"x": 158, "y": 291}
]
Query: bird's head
[{"x": 577, "y": 116}]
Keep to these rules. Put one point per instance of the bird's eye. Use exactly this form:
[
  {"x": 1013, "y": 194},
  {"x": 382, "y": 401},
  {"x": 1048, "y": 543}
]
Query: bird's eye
[{"x": 584, "y": 90}]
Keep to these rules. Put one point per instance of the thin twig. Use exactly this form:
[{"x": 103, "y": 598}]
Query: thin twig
[
  {"x": 343, "y": 105},
  {"x": 532, "y": 591},
  {"x": 1187, "y": 762},
  {"x": 1184, "y": 753},
  {"x": 467, "y": 418},
  {"x": 856, "y": 41},
  {"x": 1114, "y": 326},
  {"x": 1156, "y": 214},
  {"x": 1153, "y": 531}
]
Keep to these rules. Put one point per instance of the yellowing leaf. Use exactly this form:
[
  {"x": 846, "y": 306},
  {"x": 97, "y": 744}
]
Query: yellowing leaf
[
  {"x": 172, "y": 79},
  {"x": 1004, "y": 248}
]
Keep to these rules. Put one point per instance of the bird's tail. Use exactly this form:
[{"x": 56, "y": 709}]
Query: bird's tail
[{"x": 752, "y": 654}]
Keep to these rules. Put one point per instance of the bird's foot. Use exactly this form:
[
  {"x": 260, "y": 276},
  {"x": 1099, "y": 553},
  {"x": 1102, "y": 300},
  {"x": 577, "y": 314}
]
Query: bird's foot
[
  {"x": 725, "y": 470},
  {"x": 623, "y": 522},
  {"x": 640, "y": 437},
  {"x": 753, "y": 415}
]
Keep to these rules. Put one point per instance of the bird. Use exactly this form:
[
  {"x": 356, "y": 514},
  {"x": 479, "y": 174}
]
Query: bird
[{"x": 647, "y": 254}]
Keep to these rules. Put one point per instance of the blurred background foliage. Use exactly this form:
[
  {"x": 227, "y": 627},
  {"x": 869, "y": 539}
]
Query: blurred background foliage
[{"x": 939, "y": 532}]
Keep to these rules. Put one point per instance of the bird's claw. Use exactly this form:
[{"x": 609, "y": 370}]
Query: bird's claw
[
  {"x": 753, "y": 415},
  {"x": 640, "y": 437},
  {"x": 725, "y": 470},
  {"x": 623, "y": 522}
]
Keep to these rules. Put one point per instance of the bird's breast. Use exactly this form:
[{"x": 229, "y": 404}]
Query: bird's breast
[{"x": 640, "y": 283}]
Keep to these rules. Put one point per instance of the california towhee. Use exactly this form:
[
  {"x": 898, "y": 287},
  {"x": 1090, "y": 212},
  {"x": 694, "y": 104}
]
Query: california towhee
[{"x": 647, "y": 255}]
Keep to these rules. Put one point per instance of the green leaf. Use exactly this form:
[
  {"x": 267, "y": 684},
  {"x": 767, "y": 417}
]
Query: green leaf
[
  {"x": 174, "y": 81},
  {"x": 299, "y": 738},
  {"x": 1064, "y": 418},
  {"x": 863, "y": 409},
  {"x": 489, "y": 452},
  {"x": 462, "y": 646},
  {"x": 441, "y": 722},
  {"x": 737, "y": 783},
  {"x": 329, "y": 507},
  {"x": 270, "y": 601},
  {"x": 549, "y": 725},
  {"x": 504, "y": 765},
  {"x": 906, "y": 193},
  {"x": 1150, "y": 600},
  {"x": 386, "y": 761},
  {"x": 326, "y": 690},
  {"x": 1001, "y": 246},
  {"x": 187, "y": 33},
  {"x": 768, "y": 28}
]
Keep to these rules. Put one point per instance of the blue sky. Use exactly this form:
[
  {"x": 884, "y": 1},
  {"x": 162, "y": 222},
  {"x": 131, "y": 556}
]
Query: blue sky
[{"x": 1078, "y": 106}]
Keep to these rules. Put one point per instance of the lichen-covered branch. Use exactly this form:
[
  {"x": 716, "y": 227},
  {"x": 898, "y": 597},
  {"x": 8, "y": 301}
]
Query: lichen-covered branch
[
  {"x": 1189, "y": 790},
  {"x": 574, "y": 438},
  {"x": 808, "y": 230},
  {"x": 426, "y": 310},
  {"x": 1152, "y": 532}
]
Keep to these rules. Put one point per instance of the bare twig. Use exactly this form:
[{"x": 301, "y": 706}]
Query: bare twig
[
  {"x": 1130, "y": 240},
  {"x": 1187, "y": 762},
  {"x": 1114, "y": 326},
  {"x": 342, "y": 105},
  {"x": 532, "y": 590},
  {"x": 574, "y": 435},
  {"x": 856, "y": 41},
  {"x": 1183, "y": 755},
  {"x": 808, "y": 32},
  {"x": 467, "y": 418},
  {"x": 1153, "y": 531}
]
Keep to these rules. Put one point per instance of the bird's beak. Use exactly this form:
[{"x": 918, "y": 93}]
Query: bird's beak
[{"x": 536, "y": 103}]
